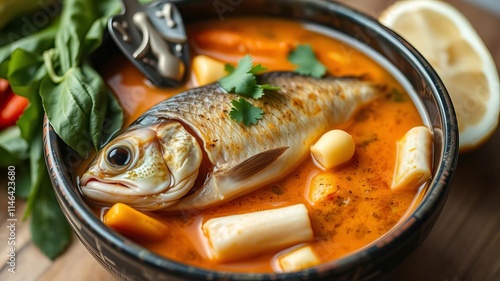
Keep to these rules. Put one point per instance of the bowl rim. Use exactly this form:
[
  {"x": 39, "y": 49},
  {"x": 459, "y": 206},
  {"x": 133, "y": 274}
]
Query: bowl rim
[{"x": 437, "y": 191}]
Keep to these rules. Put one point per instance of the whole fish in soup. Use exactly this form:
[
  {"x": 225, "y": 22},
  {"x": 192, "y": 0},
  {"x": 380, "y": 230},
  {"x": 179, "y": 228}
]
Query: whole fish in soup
[
  {"x": 181, "y": 156},
  {"x": 307, "y": 172}
]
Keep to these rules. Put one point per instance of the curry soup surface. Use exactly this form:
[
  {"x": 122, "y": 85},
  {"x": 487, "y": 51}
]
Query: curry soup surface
[{"x": 361, "y": 210}]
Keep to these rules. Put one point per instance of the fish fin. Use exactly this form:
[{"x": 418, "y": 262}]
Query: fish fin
[{"x": 254, "y": 164}]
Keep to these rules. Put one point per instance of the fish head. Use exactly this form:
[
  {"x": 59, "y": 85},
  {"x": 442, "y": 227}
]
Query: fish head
[{"x": 148, "y": 168}]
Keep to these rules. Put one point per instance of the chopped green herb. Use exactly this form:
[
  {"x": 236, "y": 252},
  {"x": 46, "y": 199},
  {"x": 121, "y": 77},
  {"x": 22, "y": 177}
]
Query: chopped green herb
[
  {"x": 241, "y": 80},
  {"x": 304, "y": 57},
  {"x": 396, "y": 96},
  {"x": 256, "y": 69},
  {"x": 229, "y": 68},
  {"x": 244, "y": 112}
]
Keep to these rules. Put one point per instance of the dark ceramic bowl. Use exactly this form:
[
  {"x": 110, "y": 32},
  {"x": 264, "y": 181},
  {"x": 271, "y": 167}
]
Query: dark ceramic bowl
[{"x": 129, "y": 261}]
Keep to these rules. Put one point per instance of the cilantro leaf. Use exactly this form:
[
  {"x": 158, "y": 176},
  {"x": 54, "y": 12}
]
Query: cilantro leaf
[
  {"x": 241, "y": 80},
  {"x": 304, "y": 57},
  {"x": 228, "y": 68},
  {"x": 244, "y": 112},
  {"x": 256, "y": 93},
  {"x": 256, "y": 69},
  {"x": 269, "y": 87}
]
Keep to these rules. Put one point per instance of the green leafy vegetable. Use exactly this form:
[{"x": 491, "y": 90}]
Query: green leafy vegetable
[
  {"x": 49, "y": 229},
  {"x": 244, "y": 112},
  {"x": 36, "y": 43},
  {"x": 50, "y": 66},
  {"x": 10, "y": 9},
  {"x": 74, "y": 96},
  {"x": 13, "y": 148},
  {"x": 23, "y": 183},
  {"x": 37, "y": 169},
  {"x": 27, "y": 86},
  {"x": 81, "y": 111},
  {"x": 242, "y": 81},
  {"x": 308, "y": 64}
]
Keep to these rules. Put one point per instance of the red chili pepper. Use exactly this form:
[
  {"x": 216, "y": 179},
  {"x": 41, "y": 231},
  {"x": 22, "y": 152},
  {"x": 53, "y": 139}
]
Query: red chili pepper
[
  {"x": 4, "y": 85},
  {"x": 11, "y": 105},
  {"x": 5, "y": 92}
]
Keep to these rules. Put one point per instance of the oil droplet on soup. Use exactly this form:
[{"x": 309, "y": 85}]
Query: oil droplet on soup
[{"x": 362, "y": 207}]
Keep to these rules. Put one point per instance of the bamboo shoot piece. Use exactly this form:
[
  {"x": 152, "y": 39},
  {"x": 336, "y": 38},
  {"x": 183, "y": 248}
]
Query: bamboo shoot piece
[
  {"x": 299, "y": 259},
  {"x": 413, "y": 159},
  {"x": 246, "y": 235}
]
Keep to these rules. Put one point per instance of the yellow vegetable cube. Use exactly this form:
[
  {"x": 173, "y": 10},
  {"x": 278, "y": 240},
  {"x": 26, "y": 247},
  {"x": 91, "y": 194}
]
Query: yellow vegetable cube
[
  {"x": 207, "y": 69},
  {"x": 340, "y": 58},
  {"x": 299, "y": 259},
  {"x": 321, "y": 186}
]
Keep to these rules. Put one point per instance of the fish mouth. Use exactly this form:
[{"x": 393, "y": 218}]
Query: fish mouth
[
  {"x": 106, "y": 192},
  {"x": 90, "y": 182}
]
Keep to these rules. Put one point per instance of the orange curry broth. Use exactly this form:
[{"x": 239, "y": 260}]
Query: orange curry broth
[{"x": 362, "y": 210}]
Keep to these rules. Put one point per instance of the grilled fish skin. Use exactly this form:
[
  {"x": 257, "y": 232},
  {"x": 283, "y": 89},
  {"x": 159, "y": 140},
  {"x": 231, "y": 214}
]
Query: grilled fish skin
[{"x": 241, "y": 158}]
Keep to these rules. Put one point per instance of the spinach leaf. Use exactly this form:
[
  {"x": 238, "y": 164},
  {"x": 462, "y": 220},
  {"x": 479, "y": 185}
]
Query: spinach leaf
[
  {"x": 23, "y": 17},
  {"x": 76, "y": 20},
  {"x": 37, "y": 168},
  {"x": 49, "y": 229},
  {"x": 84, "y": 23},
  {"x": 25, "y": 79},
  {"x": 23, "y": 182},
  {"x": 113, "y": 119},
  {"x": 74, "y": 96},
  {"x": 94, "y": 36},
  {"x": 13, "y": 147},
  {"x": 36, "y": 44},
  {"x": 69, "y": 106},
  {"x": 107, "y": 117}
]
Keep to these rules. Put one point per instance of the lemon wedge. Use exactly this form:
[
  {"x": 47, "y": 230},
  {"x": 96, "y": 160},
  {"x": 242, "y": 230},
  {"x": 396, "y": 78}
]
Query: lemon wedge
[{"x": 451, "y": 45}]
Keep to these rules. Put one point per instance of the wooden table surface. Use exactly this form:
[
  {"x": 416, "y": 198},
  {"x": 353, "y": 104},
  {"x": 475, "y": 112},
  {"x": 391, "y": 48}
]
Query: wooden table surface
[{"x": 464, "y": 244}]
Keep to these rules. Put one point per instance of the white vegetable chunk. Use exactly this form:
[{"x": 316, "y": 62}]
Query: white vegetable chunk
[
  {"x": 299, "y": 259},
  {"x": 246, "y": 235},
  {"x": 413, "y": 161},
  {"x": 207, "y": 69},
  {"x": 333, "y": 148}
]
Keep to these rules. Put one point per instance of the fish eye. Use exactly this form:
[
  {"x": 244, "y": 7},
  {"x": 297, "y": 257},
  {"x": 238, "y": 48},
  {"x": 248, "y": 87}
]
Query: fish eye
[{"x": 119, "y": 156}]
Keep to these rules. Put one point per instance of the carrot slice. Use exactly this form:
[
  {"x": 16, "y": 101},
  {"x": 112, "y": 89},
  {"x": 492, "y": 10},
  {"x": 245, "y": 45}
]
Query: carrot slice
[
  {"x": 229, "y": 41},
  {"x": 134, "y": 224}
]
